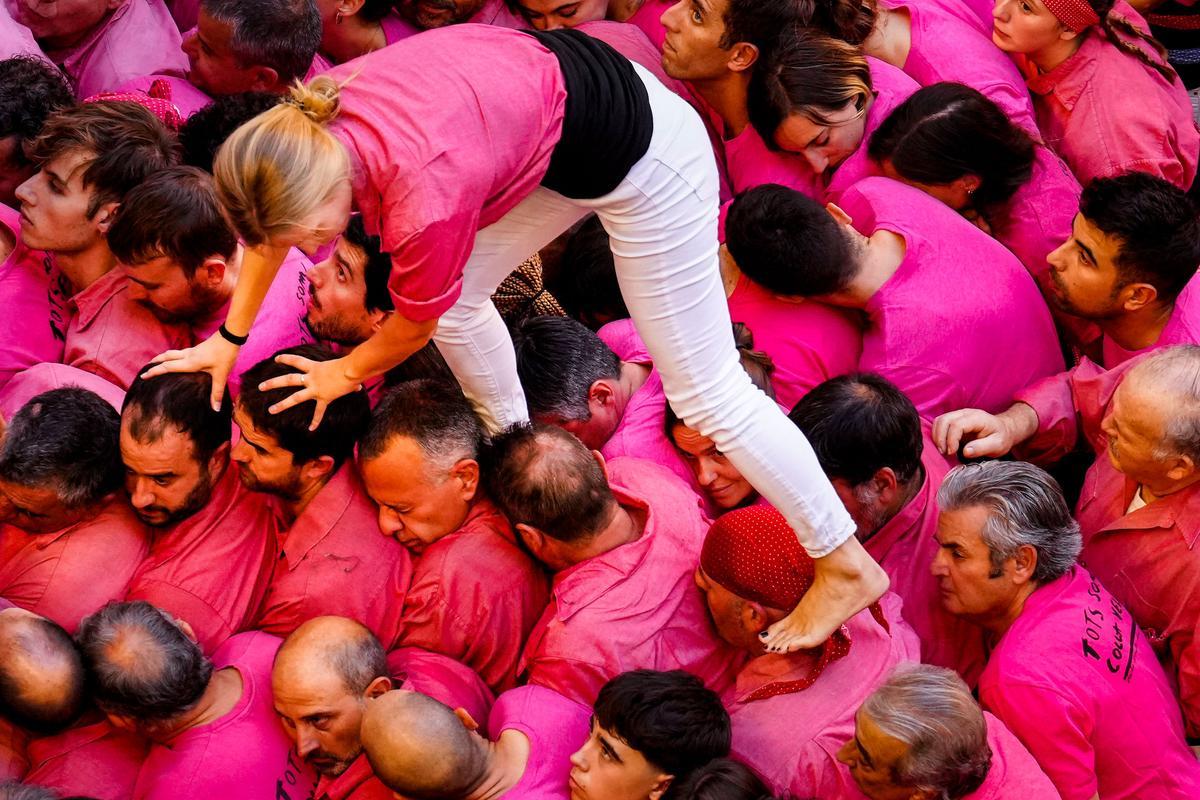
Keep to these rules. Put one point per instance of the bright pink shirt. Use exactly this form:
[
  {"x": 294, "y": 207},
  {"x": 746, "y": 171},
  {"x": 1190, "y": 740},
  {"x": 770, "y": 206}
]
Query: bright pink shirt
[
  {"x": 632, "y": 42},
  {"x": 450, "y": 682},
  {"x": 68, "y": 574},
  {"x": 1106, "y": 112},
  {"x": 808, "y": 342},
  {"x": 333, "y": 561},
  {"x": 792, "y": 740},
  {"x": 641, "y": 432},
  {"x": 280, "y": 320},
  {"x": 475, "y": 596},
  {"x": 427, "y": 176},
  {"x": 95, "y": 760},
  {"x": 1093, "y": 707},
  {"x": 396, "y": 28},
  {"x": 28, "y": 384},
  {"x": 636, "y": 606},
  {"x": 212, "y": 569},
  {"x": 15, "y": 38},
  {"x": 960, "y": 324},
  {"x": 113, "y": 336},
  {"x": 244, "y": 755},
  {"x": 29, "y": 337},
  {"x": 751, "y": 163},
  {"x": 184, "y": 94},
  {"x": 1182, "y": 328},
  {"x": 555, "y": 727},
  {"x": 497, "y": 12},
  {"x": 14, "y": 762},
  {"x": 138, "y": 38}
]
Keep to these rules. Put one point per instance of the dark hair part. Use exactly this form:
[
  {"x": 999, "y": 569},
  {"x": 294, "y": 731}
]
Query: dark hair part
[
  {"x": 946, "y": 131},
  {"x": 758, "y": 22},
  {"x": 671, "y": 718},
  {"x": 788, "y": 243},
  {"x": 721, "y": 779},
  {"x": 41, "y": 638},
  {"x": 168, "y": 675},
  {"x": 858, "y": 424},
  {"x": 809, "y": 73},
  {"x": 174, "y": 214},
  {"x": 1121, "y": 31},
  {"x": 125, "y": 142},
  {"x": 345, "y": 420},
  {"x": 378, "y": 263},
  {"x": 205, "y": 131},
  {"x": 1157, "y": 224},
  {"x": 281, "y": 34},
  {"x": 542, "y": 476},
  {"x": 434, "y": 415},
  {"x": 178, "y": 400},
  {"x": 758, "y": 366},
  {"x": 68, "y": 439},
  {"x": 558, "y": 360},
  {"x": 30, "y": 90},
  {"x": 586, "y": 283},
  {"x": 849, "y": 20}
]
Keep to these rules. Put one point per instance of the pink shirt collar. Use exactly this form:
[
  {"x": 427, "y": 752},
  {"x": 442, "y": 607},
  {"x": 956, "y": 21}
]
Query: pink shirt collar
[
  {"x": 1070, "y": 79},
  {"x": 322, "y": 513}
]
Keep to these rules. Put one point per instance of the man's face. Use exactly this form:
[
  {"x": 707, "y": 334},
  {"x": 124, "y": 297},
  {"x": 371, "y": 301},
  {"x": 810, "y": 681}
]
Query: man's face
[
  {"x": 963, "y": 567},
  {"x": 14, "y": 169},
  {"x": 1083, "y": 272},
  {"x": 1135, "y": 426},
  {"x": 728, "y": 614},
  {"x": 823, "y": 146},
  {"x": 54, "y": 207},
  {"x": 603, "y": 419},
  {"x": 692, "y": 48},
  {"x": 321, "y": 717},
  {"x": 165, "y": 481},
  {"x": 864, "y": 505},
  {"x": 872, "y": 757},
  {"x": 59, "y": 22},
  {"x": 719, "y": 479},
  {"x": 337, "y": 297},
  {"x": 438, "y": 13},
  {"x": 263, "y": 464},
  {"x": 607, "y": 768},
  {"x": 549, "y": 15},
  {"x": 36, "y": 510},
  {"x": 212, "y": 65},
  {"x": 418, "y": 503},
  {"x": 162, "y": 287}
]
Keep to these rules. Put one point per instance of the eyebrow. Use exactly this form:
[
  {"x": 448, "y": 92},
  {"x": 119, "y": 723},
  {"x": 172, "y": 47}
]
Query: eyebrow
[
  {"x": 863, "y": 751},
  {"x": 1091, "y": 256},
  {"x": 608, "y": 748}
]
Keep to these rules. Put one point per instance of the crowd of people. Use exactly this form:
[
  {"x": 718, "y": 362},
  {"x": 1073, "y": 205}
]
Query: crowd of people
[{"x": 599, "y": 400}]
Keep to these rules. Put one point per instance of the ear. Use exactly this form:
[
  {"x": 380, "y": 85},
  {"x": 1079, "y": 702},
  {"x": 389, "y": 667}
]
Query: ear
[
  {"x": 121, "y": 722},
  {"x": 886, "y": 485},
  {"x": 1024, "y": 563},
  {"x": 754, "y": 616},
  {"x": 1066, "y": 34},
  {"x": 466, "y": 719},
  {"x": 265, "y": 79},
  {"x": 662, "y": 782},
  {"x": 350, "y": 7},
  {"x": 211, "y": 273},
  {"x": 1181, "y": 467},
  {"x": 967, "y": 184},
  {"x": 836, "y": 212},
  {"x": 603, "y": 464},
  {"x": 534, "y": 539},
  {"x": 377, "y": 317},
  {"x": 105, "y": 215},
  {"x": 219, "y": 457},
  {"x": 319, "y": 467},
  {"x": 466, "y": 471},
  {"x": 378, "y": 687},
  {"x": 601, "y": 392},
  {"x": 187, "y": 629},
  {"x": 1136, "y": 296},
  {"x": 742, "y": 56}
]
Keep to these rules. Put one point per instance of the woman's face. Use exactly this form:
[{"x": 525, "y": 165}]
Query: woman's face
[
  {"x": 1025, "y": 26},
  {"x": 324, "y": 225},
  {"x": 549, "y": 15},
  {"x": 824, "y": 147},
  {"x": 720, "y": 479}
]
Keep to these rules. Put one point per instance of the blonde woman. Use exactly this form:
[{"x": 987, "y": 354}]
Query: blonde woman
[{"x": 467, "y": 148}]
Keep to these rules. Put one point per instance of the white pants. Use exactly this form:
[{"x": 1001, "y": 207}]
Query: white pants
[{"x": 662, "y": 223}]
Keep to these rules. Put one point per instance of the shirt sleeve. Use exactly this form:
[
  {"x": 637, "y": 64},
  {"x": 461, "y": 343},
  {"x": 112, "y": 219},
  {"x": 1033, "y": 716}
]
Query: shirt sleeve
[
  {"x": 428, "y": 262},
  {"x": 1068, "y": 405}
]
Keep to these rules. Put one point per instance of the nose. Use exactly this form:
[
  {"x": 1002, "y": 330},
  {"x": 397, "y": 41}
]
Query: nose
[
  {"x": 1056, "y": 257},
  {"x": 389, "y": 522},
  {"x": 701, "y": 581},
  {"x": 845, "y": 753},
  {"x": 305, "y": 744},
  {"x": 817, "y": 161},
  {"x": 135, "y": 290},
  {"x": 240, "y": 452},
  {"x": 705, "y": 474},
  {"x": 1106, "y": 425},
  {"x": 140, "y": 497},
  {"x": 547, "y": 24},
  {"x": 669, "y": 17},
  {"x": 938, "y": 567},
  {"x": 24, "y": 192},
  {"x": 189, "y": 45},
  {"x": 999, "y": 10},
  {"x": 578, "y": 760}
]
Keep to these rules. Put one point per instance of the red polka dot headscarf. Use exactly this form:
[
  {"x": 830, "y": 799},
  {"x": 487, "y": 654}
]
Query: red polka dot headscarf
[
  {"x": 755, "y": 554},
  {"x": 156, "y": 100}
]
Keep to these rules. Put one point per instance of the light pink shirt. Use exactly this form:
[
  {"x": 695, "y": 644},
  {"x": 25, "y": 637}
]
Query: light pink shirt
[
  {"x": 184, "y": 94},
  {"x": 212, "y": 569},
  {"x": 555, "y": 727},
  {"x": 95, "y": 760},
  {"x": 139, "y": 38},
  {"x": 808, "y": 342},
  {"x": 244, "y": 755},
  {"x": 1094, "y": 707},
  {"x": 475, "y": 596},
  {"x": 113, "y": 336},
  {"x": 791, "y": 740},
  {"x": 68, "y": 574},
  {"x": 636, "y": 606},
  {"x": 15, "y": 38},
  {"x": 333, "y": 561},
  {"x": 450, "y": 682},
  {"x": 1182, "y": 328},
  {"x": 426, "y": 176},
  {"x": 960, "y": 324},
  {"x": 1106, "y": 112},
  {"x": 28, "y": 384},
  {"x": 29, "y": 337}
]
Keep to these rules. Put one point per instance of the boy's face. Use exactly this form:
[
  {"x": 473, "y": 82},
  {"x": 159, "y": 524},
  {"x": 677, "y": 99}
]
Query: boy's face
[{"x": 607, "y": 768}]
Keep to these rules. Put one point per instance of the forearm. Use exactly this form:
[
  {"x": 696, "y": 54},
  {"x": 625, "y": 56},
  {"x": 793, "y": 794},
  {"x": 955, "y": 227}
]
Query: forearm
[
  {"x": 259, "y": 266},
  {"x": 1021, "y": 420},
  {"x": 396, "y": 340}
]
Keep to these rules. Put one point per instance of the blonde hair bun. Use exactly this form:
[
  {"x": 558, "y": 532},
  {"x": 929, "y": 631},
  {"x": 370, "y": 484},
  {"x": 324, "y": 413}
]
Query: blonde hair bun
[{"x": 318, "y": 99}]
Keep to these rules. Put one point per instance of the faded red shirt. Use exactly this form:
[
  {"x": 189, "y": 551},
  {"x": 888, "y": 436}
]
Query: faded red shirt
[{"x": 94, "y": 760}]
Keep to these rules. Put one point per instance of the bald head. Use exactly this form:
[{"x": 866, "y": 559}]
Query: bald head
[
  {"x": 41, "y": 673},
  {"x": 332, "y": 648},
  {"x": 1171, "y": 379},
  {"x": 421, "y": 749}
]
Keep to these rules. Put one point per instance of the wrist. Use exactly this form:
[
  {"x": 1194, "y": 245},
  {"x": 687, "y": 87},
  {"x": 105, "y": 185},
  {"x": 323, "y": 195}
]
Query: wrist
[{"x": 233, "y": 338}]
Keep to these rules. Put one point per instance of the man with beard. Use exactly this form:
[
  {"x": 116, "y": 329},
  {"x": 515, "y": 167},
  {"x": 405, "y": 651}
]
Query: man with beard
[
  {"x": 210, "y": 557},
  {"x": 1129, "y": 266},
  {"x": 348, "y": 295},
  {"x": 329, "y": 559},
  {"x": 181, "y": 261}
]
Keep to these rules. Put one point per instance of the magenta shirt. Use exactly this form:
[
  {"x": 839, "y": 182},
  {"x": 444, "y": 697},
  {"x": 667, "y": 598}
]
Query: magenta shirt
[
  {"x": 1094, "y": 707},
  {"x": 71, "y": 573},
  {"x": 334, "y": 561},
  {"x": 396, "y": 29},
  {"x": 244, "y": 755},
  {"x": 751, "y": 163},
  {"x": 29, "y": 337},
  {"x": 555, "y": 727},
  {"x": 636, "y": 606},
  {"x": 808, "y": 342},
  {"x": 28, "y": 384},
  {"x": 958, "y": 302},
  {"x": 792, "y": 740},
  {"x": 95, "y": 760},
  {"x": 212, "y": 568},
  {"x": 475, "y": 596},
  {"x": 1182, "y": 328},
  {"x": 1037, "y": 218},
  {"x": 450, "y": 682},
  {"x": 426, "y": 176},
  {"x": 1106, "y": 112},
  {"x": 139, "y": 38},
  {"x": 15, "y": 38}
]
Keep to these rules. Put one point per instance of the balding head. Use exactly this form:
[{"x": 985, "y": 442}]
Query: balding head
[
  {"x": 421, "y": 749},
  {"x": 41, "y": 673},
  {"x": 1173, "y": 375},
  {"x": 323, "y": 675}
]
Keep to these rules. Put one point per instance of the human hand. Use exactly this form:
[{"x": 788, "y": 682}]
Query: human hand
[
  {"x": 320, "y": 381},
  {"x": 215, "y": 355},
  {"x": 979, "y": 433}
]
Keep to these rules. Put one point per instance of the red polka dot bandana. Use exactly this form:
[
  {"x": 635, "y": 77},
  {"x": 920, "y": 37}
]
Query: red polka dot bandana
[{"x": 157, "y": 101}]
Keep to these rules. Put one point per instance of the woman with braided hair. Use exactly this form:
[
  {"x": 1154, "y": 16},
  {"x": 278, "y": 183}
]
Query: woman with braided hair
[{"x": 1106, "y": 99}]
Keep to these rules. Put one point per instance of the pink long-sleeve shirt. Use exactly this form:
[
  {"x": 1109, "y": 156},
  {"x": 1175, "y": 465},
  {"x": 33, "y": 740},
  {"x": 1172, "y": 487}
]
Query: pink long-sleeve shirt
[
  {"x": 25, "y": 283},
  {"x": 554, "y": 726}
]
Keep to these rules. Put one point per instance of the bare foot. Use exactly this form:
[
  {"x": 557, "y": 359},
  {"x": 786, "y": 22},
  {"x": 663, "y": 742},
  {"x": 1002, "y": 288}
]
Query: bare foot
[{"x": 846, "y": 581}]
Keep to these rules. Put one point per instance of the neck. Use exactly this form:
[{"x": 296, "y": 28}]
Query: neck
[
  {"x": 222, "y": 694},
  {"x": 902, "y": 500},
  {"x": 354, "y": 38},
  {"x": 624, "y": 527},
  {"x": 85, "y": 267},
  {"x": 293, "y": 507},
  {"x": 999, "y": 624},
  {"x": 1154, "y": 491},
  {"x": 880, "y": 256},
  {"x": 727, "y": 95},
  {"x": 1136, "y": 330},
  {"x": 1052, "y": 55},
  {"x": 507, "y": 758},
  {"x": 632, "y": 378},
  {"x": 891, "y": 38}
]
